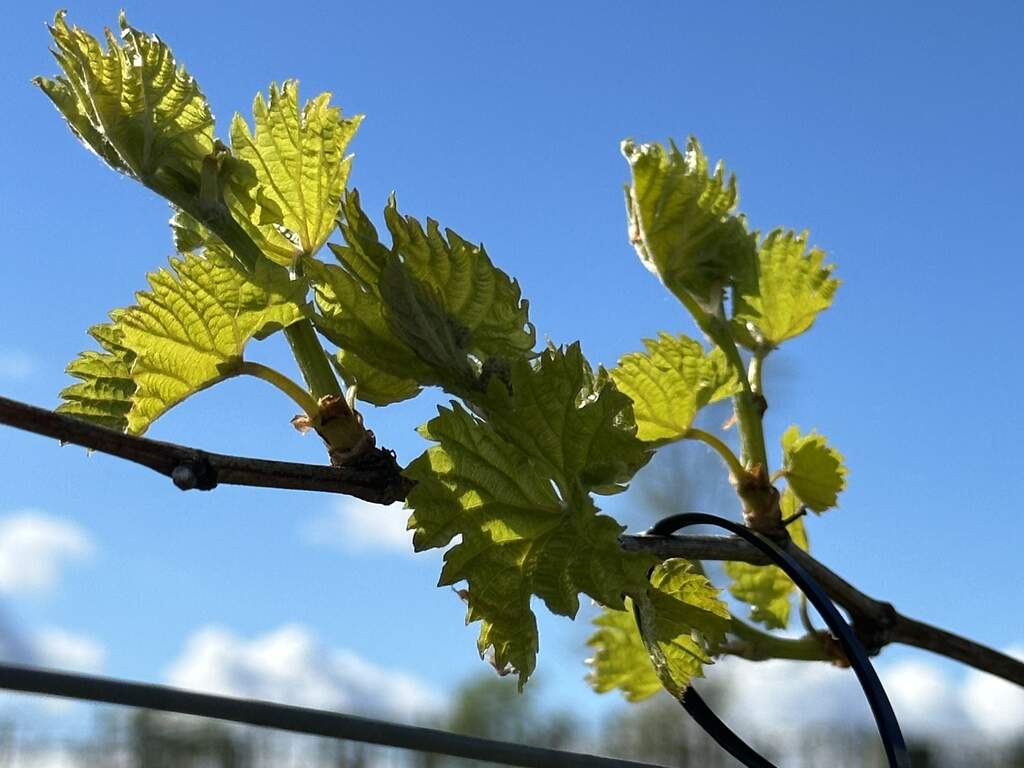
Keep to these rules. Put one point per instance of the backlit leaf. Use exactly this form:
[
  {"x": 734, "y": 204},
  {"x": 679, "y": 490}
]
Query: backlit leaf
[
  {"x": 814, "y": 471},
  {"x": 519, "y": 537},
  {"x": 682, "y": 219},
  {"x": 683, "y": 621},
  {"x": 298, "y": 156},
  {"x": 766, "y": 588},
  {"x": 669, "y": 383},
  {"x": 132, "y": 104},
  {"x": 188, "y": 330},
  {"x": 781, "y": 291},
  {"x": 103, "y": 394}
]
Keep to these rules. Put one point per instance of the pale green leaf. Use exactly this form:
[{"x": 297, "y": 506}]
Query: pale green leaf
[
  {"x": 417, "y": 316},
  {"x": 476, "y": 294},
  {"x": 518, "y": 536},
  {"x": 132, "y": 104},
  {"x": 669, "y": 383},
  {"x": 766, "y": 588},
  {"x": 103, "y": 393},
  {"x": 298, "y": 156},
  {"x": 683, "y": 621},
  {"x": 188, "y": 331},
  {"x": 573, "y": 422},
  {"x": 814, "y": 470},
  {"x": 430, "y": 310},
  {"x": 620, "y": 659},
  {"x": 781, "y": 291},
  {"x": 372, "y": 385},
  {"x": 682, "y": 219}
]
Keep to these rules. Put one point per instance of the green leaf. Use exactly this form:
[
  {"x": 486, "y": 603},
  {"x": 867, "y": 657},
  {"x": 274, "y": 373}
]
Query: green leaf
[
  {"x": 620, "y": 659},
  {"x": 427, "y": 311},
  {"x": 573, "y": 422},
  {"x": 766, "y": 588},
  {"x": 814, "y": 471},
  {"x": 669, "y": 383},
  {"x": 300, "y": 165},
  {"x": 682, "y": 220},
  {"x": 518, "y": 536},
  {"x": 131, "y": 104},
  {"x": 352, "y": 316},
  {"x": 372, "y": 385},
  {"x": 103, "y": 394},
  {"x": 417, "y": 316},
  {"x": 683, "y": 620},
  {"x": 781, "y": 291},
  {"x": 476, "y": 294},
  {"x": 188, "y": 331}
]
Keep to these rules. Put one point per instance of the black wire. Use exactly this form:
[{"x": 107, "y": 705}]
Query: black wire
[
  {"x": 885, "y": 718},
  {"x": 296, "y": 719}
]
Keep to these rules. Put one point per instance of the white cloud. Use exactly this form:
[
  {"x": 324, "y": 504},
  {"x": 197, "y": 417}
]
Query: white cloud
[
  {"x": 767, "y": 697},
  {"x": 995, "y": 706},
  {"x": 59, "y": 649},
  {"x": 34, "y": 547},
  {"x": 290, "y": 665},
  {"x": 359, "y": 526},
  {"x": 15, "y": 365},
  {"x": 924, "y": 699}
]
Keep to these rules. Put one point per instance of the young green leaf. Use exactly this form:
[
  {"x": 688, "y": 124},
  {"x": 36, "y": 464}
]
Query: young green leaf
[
  {"x": 577, "y": 425},
  {"x": 478, "y": 296},
  {"x": 300, "y": 165},
  {"x": 766, "y": 588},
  {"x": 372, "y": 385},
  {"x": 103, "y": 394},
  {"x": 620, "y": 659},
  {"x": 431, "y": 310},
  {"x": 518, "y": 536},
  {"x": 779, "y": 293},
  {"x": 814, "y": 471},
  {"x": 682, "y": 220},
  {"x": 131, "y": 104},
  {"x": 682, "y": 620},
  {"x": 669, "y": 383},
  {"x": 188, "y": 331}
]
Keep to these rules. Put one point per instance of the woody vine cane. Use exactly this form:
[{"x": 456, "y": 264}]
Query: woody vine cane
[{"x": 533, "y": 437}]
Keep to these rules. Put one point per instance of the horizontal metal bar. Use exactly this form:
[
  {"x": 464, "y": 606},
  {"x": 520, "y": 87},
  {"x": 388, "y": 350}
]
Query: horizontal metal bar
[{"x": 283, "y": 717}]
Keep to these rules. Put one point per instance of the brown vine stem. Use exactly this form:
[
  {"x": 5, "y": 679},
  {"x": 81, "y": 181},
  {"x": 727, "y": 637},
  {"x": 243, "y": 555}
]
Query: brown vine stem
[
  {"x": 379, "y": 480},
  {"x": 376, "y": 478}
]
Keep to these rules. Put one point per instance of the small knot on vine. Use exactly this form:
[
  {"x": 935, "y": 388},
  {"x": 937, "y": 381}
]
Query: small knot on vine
[{"x": 196, "y": 473}]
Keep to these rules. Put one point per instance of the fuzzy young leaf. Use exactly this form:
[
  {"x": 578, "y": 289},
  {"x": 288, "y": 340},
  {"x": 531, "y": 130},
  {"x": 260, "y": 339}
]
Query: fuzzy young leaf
[
  {"x": 574, "y": 423},
  {"x": 476, "y": 294},
  {"x": 766, "y": 588},
  {"x": 780, "y": 292},
  {"x": 669, "y": 383},
  {"x": 682, "y": 221},
  {"x": 188, "y": 331},
  {"x": 814, "y": 471},
  {"x": 431, "y": 310},
  {"x": 132, "y": 104},
  {"x": 518, "y": 537},
  {"x": 103, "y": 394},
  {"x": 683, "y": 620},
  {"x": 620, "y": 659},
  {"x": 300, "y": 165}
]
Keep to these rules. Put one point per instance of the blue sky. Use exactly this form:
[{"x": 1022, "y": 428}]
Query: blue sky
[{"x": 892, "y": 134}]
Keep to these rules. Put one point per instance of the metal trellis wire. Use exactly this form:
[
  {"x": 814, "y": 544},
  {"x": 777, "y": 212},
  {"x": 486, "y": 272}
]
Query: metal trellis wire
[
  {"x": 885, "y": 718},
  {"x": 352, "y": 728}
]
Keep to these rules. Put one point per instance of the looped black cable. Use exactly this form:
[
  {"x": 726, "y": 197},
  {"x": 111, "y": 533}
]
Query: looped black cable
[{"x": 885, "y": 718}]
